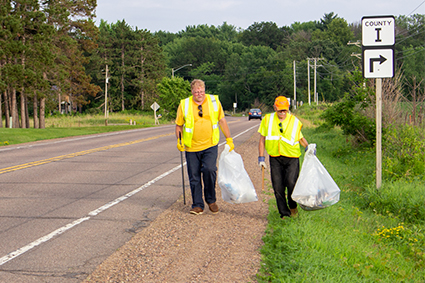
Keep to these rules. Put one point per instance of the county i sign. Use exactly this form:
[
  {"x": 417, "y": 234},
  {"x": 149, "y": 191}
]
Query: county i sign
[
  {"x": 378, "y": 39},
  {"x": 378, "y": 31}
]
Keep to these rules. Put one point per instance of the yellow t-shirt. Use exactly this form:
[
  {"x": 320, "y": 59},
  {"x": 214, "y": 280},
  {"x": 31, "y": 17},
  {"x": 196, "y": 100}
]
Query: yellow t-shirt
[{"x": 202, "y": 133}]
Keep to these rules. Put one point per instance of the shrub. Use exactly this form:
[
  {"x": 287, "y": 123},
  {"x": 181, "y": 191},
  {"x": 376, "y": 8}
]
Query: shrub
[
  {"x": 348, "y": 115},
  {"x": 404, "y": 152}
]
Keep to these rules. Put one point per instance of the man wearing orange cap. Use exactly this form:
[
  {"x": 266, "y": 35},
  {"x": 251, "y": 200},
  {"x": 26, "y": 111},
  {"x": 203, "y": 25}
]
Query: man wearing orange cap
[{"x": 281, "y": 137}]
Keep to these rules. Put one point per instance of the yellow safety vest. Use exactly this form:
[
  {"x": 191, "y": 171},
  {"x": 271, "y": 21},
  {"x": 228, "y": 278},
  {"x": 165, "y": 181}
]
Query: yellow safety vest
[
  {"x": 189, "y": 124},
  {"x": 286, "y": 143}
]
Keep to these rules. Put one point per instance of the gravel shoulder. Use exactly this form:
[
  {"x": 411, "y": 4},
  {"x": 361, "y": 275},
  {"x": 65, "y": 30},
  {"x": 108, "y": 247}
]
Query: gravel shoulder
[{"x": 180, "y": 247}]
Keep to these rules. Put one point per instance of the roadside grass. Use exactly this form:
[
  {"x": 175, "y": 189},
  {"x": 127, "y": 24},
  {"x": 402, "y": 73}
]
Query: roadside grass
[
  {"x": 68, "y": 125},
  {"x": 90, "y": 120},
  {"x": 368, "y": 236}
]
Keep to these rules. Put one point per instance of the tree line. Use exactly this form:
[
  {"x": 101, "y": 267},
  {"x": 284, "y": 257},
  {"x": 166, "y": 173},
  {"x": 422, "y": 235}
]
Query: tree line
[
  {"x": 53, "y": 59},
  {"x": 42, "y": 57}
]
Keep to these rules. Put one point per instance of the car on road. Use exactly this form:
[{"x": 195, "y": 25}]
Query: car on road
[{"x": 254, "y": 113}]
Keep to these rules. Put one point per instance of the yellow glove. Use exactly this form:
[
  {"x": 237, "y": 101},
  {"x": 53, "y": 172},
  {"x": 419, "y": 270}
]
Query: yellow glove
[
  {"x": 229, "y": 141},
  {"x": 180, "y": 145}
]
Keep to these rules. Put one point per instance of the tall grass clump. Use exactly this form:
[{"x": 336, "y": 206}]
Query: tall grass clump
[{"x": 404, "y": 152}]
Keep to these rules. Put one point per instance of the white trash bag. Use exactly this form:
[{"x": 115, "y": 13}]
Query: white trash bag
[
  {"x": 233, "y": 180},
  {"x": 315, "y": 188}
]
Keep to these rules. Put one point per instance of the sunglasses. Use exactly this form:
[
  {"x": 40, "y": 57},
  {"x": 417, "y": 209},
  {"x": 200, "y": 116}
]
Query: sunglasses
[
  {"x": 200, "y": 110},
  {"x": 282, "y": 111},
  {"x": 280, "y": 126}
]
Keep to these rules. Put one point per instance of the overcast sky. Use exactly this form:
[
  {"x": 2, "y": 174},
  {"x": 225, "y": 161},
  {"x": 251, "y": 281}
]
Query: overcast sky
[{"x": 174, "y": 15}]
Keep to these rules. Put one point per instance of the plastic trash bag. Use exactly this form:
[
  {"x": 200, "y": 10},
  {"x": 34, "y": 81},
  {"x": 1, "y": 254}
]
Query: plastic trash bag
[
  {"x": 233, "y": 180},
  {"x": 315, "y": 188}
]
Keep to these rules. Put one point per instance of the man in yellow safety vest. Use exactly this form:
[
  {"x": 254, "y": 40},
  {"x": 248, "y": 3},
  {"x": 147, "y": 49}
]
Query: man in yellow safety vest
[
  {"x": 281, "y": 137},
  {"x": 198, "y": 120}
]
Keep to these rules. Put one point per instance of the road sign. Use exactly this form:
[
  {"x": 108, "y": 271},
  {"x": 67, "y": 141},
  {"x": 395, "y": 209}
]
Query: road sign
[
  {"x": 378, "y": 31},
  {"x": 378, "y": 39},
  {"x": 155, "y": 106},
  {"x": 378, "y": 63}
]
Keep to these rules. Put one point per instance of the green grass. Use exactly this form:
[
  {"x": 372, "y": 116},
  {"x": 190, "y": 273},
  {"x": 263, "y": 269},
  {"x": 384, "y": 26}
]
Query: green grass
[
  {"x": 370, "y": 235},
  {"x": 65, "y": 126},
  {"x": 365, "y": 237}
]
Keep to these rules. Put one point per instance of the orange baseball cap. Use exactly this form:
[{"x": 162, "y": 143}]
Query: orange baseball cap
[{"x": 281, "y": 103}]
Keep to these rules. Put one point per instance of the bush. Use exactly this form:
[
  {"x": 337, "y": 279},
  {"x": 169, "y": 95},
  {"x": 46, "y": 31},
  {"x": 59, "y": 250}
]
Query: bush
[
  {"x": 404, "y": 152},
  {"x": 348, "y": 115},
  {"x": 171, "y": 91}
]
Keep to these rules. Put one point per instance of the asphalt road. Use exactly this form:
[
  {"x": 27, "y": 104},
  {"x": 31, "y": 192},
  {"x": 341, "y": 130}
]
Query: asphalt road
[{"x": 68, "y": 204}]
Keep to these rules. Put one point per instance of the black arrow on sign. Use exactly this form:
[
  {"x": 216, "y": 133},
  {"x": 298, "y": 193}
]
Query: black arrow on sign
[{"x": 381, "y": 60}]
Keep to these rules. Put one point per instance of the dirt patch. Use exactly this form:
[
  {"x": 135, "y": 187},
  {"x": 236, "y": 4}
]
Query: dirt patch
[{"x": 180, "y": 247}]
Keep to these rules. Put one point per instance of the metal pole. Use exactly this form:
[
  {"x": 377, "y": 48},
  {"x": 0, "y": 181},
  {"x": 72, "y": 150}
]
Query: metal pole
[
  {"x": 106, "y": 92},
  {"x": 378, "y": 132},
  {"x": 181, "y": 157},
  {"x": 172, "y": 70}
]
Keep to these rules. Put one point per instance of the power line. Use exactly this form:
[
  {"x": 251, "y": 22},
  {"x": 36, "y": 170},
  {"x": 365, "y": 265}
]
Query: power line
[{"x": 416, "y": 8}]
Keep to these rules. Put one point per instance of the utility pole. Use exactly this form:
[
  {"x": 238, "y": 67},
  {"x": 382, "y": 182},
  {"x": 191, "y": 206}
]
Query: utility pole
[
  {"x": 106, "y": 94},
  {"x": 315, "y": 97},
  {"x": 295, "y": 87},
  {"x": 308, "y": 75},
  {"x": 315, "y": 81}
]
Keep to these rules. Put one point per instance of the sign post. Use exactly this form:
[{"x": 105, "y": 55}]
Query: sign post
[
  {"x": 155, "y": 107},
  {"x": 378, "y": 40}
]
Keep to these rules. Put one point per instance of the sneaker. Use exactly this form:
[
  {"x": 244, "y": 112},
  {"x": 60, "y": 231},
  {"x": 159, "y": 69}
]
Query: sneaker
[
  {"x": 196, "y": 210},
  {"x": 294, "y": 212},
  {"x": 213, "y": 207}
]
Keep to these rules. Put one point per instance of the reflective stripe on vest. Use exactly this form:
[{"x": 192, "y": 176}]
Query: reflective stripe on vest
[
  {"x": 188, "y": 127},
  {"x": 215, "y": 106}
]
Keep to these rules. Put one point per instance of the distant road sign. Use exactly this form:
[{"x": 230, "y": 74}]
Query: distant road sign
[{"x": 155, "y": 106}]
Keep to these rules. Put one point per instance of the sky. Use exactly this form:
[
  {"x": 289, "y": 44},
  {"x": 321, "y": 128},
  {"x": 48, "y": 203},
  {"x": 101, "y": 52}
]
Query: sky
[{"x": 175, "y": 15}]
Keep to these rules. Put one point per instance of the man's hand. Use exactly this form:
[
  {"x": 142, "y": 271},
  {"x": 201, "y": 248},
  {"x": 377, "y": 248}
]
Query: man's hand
[
  {"x": 229, "y": 141},
  {"x": 262, "y": 161},
  {"x": 313, "y": 151},
  {"x": 180, "y": 145}
]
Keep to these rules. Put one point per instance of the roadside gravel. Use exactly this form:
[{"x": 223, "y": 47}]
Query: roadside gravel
[{"x": 180, "y": 247}]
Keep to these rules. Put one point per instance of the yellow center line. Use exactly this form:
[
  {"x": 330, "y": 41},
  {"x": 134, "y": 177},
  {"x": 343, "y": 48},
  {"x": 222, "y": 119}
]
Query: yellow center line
[{"x": 75, "y": 154}]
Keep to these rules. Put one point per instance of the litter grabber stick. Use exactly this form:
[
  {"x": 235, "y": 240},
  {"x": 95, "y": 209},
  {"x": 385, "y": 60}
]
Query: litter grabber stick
[
  {"x": 181, "y": 157},
  {"x": 262, "y": 178}
]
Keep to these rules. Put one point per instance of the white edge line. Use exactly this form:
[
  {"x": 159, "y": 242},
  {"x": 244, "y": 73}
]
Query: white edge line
[
  {"x": 63, "y": 229},
  {"x": 41, "y": 240}
]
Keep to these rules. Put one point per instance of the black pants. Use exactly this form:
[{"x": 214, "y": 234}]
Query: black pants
[{"x": 284, "y": 174}]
